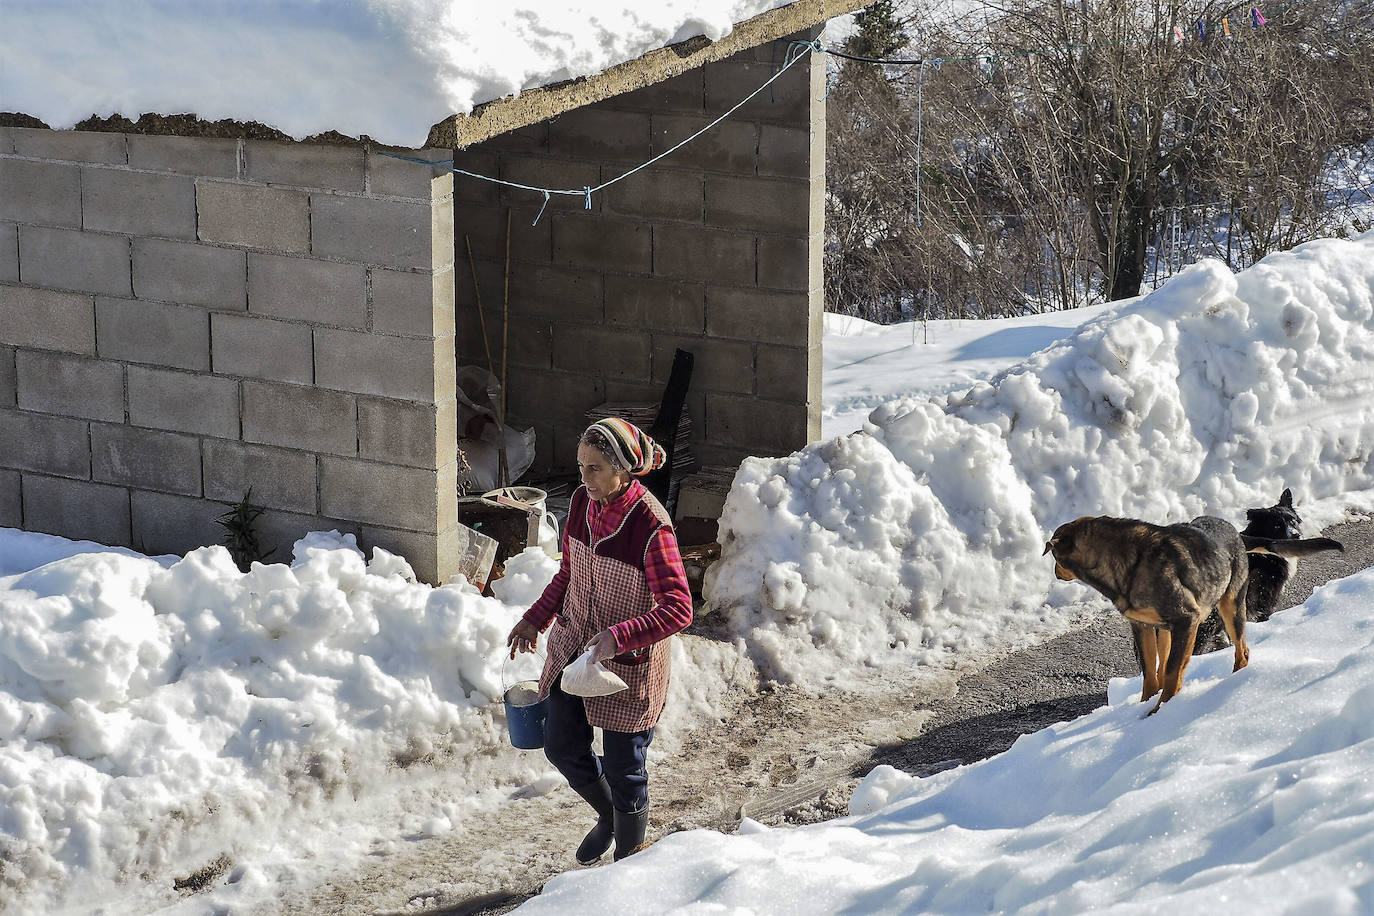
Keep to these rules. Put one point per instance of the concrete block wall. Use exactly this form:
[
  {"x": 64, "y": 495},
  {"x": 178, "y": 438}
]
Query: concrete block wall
[
  {"x": 183, "y": 318},
  {"x": 716, "y": 249}
]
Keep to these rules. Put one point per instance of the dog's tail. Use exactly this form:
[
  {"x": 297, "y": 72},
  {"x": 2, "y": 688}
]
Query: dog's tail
[{"x": 1294, "y": 547}]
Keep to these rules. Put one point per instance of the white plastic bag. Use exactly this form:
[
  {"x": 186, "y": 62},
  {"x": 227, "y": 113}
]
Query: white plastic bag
[{"x": 584, "y": 679}]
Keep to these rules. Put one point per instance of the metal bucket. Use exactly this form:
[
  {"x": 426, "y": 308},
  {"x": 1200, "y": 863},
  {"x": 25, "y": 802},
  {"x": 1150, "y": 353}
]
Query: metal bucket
[{"x": 525, "y": 714}]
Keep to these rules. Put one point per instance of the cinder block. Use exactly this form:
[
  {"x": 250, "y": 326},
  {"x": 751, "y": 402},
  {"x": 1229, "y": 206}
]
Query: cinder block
[
  {"x": 323, "y": 292},
  {"x": 203, "y": 157},
  {"x": 747, "y": 314},
  {"x": 153, "y": 332},
  {"x": 759, "y": 426},
  {"x": 791, "y": 374},
  {"x": 7, "y": 139},
  {"x": 184, "y": 401},
  {"x": 138, "y": 203},
  {"x": 77, "y": 509},
  {"x": 755, "y": 204},
  {"x": 785, "y": 152},
  {"x": 11, "y": 500},
  {"x": 651, "y": 303},
  {"x": 583, "y": 240},
  {"x": 47, "y": 319},
  {"x": 278, "y": 532},
  {"x": 8, "y": 382},
  {"x": 718, "y": 365},
  {"x": 388, "y": 495},
  {"x": 311, "y": 165},
  {"x": 553, "y": 174},
  {"x": 9, "y": 253},
  {"x": 147, "y": 458},
  {"x": 40, "y": 442},
  {"x": 191, "y": 274},
  {"x": 554, "y": 396},
  {"x": 390, "y": 177},
  {"x": 432, "y": 557},
  {"x": 68, "y": 259},
  {"x": 730, "y": 146},
  {"x": 657, "y": 194},
  {"x": 785, "y": 262},
  {"x": 387, "y": 233},
  {"x": 46, "y": 193},
  {"x": 253, "y": 216},
  {"x": 466, "y": 188},
  {"x": 71, "y": 145},
  {"x": 263, "y": 348},
  {"x": 553, "y": 292},
  {"x": 167, "y": 524},
  {"x": 684, "y": 92},
  {"x": 598, "y": 133},
  {"x": 299, "y": 417},
  {"x": 391, "y": 367},
  {"x": 611, "y": 352},
  {"x": 694, "y": 253},
  {"x": 484, "y": 229},
  {"x": 419, "y": 304},
  {"x": 71, "y": 386},
  {"x": 415, "y": 435},
  {"x": 529, "y": 341},
  {"x": 278, "y": 478},
  {"x": 532, "y": 138},
  {"x": 787, "y": 100}
]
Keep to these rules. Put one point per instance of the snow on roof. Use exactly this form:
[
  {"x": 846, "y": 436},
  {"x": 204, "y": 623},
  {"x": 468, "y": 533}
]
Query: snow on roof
[{"x": 387, "y": 69}]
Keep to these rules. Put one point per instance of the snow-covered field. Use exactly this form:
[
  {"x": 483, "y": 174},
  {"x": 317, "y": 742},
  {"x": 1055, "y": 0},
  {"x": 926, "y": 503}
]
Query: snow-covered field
[{"x": 163, "y": 717}]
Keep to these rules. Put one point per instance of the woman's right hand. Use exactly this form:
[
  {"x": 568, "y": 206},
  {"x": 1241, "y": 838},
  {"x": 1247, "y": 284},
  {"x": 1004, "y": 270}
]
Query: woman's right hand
[{"x": 522, "y": 638}]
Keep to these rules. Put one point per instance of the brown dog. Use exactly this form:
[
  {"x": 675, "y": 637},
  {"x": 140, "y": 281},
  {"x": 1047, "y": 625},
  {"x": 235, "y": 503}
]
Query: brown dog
[{"x": 1165, "y": 581}]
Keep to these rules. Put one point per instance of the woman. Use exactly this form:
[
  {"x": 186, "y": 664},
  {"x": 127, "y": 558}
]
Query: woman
[{"x": 620, "y": 591}]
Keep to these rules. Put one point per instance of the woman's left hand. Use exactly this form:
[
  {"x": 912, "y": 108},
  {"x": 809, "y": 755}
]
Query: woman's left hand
[{"x": 603, "y": 646}]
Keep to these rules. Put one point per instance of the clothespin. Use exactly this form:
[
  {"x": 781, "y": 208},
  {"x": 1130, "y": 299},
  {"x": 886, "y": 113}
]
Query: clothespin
[
  {"x": 1225, "y": 28},
  {"x": 1257, "y": 18},
  {"x": 1201, "y": 32},
  {"x": 1178, "y": 35}
]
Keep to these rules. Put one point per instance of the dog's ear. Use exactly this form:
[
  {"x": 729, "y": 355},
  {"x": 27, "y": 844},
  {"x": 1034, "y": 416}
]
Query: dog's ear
[
  {"x": 1286, "y": 499},
  {"x": 1049, "y": 545}
]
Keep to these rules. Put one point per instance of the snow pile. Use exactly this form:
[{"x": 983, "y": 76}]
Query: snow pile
[
  {"x": 922, "y": 534},
  {"x": 158, "y": 714},
  {"x": 388, "y": 69},
  {"x": 1249, "y": 791}
]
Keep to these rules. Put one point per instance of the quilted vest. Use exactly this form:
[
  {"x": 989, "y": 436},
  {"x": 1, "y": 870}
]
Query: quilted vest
[{"x": 607, "y": 585}]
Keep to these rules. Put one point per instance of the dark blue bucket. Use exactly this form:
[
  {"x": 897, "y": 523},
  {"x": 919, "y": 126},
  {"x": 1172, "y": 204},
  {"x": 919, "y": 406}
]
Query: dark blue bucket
[{"x": 525, "y": 714}]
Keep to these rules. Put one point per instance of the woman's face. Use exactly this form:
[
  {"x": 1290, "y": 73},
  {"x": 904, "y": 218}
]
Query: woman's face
[{"x": 603, "y": 481}]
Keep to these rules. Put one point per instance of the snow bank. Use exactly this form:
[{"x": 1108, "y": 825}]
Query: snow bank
[
  {"x": 1249, "y": 790},
  {"x": 156, "y": 715},
  {"x": 385, "y": 68},
  {"x": 922, "y": 534}
]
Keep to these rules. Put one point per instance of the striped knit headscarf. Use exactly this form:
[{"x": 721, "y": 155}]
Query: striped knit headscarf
[{"x": 632, "y": 447}]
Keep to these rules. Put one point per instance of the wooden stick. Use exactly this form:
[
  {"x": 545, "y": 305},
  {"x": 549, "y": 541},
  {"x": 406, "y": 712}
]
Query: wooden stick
[
  {"x": 481, "y": 317},
  {"x": 505, "y": 333}
]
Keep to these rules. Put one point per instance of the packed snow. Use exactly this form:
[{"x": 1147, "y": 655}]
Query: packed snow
[
  {"x": 171, "y": 719},
  {"x": 1247, "y": 792},
  {"x": 387, "y": 69}
]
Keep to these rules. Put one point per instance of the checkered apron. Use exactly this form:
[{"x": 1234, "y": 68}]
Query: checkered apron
[{"x": 605, "y": 587}]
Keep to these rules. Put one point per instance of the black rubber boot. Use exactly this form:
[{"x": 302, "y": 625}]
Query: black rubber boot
[
  {"x": 598, "y": 839},
  {"x": 629, "y": 831}
]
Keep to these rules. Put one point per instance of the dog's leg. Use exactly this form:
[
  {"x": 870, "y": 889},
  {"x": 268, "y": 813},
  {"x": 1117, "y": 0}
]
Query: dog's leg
[
  {"x": 1231, "y": 609},
  {"x": 1180, "y": 652},
  {"x": 1163, "y": 643},
  {"x": 1147, "y": 656}
]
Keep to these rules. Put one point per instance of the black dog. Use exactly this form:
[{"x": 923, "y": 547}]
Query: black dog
[{"x": 1269, "y": 574}]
